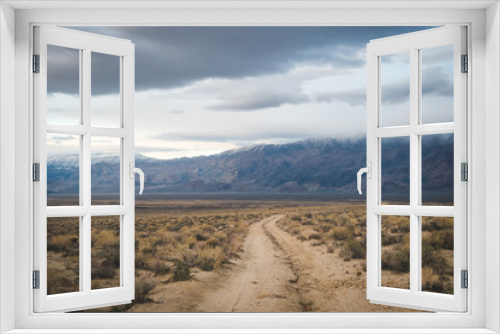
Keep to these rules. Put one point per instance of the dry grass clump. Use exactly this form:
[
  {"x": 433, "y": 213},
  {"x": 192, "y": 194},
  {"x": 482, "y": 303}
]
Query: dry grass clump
[
  {"x": 143, "y": 287},
  {"x": 62, "y": 281},
  {"x": 63, "y": 248},
  {"x": 340, "y": 228},
  {"x": 342, "y": 231},
  {"x": 177, "y": 244},
  {"x": 437, "y": 254},
  {"x": 105, "y": 260}
]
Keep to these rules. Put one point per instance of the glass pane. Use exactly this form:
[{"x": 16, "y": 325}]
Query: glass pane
[
  {"x": 105, "y": 103},
  {"x": 437, "y": 169},
  {"x": 63, "y": 85},
  {"x": 437, "y": 84},
  {"x": 395, "y": 153},
  {"x": 63, "y": 255},
  {"x": 105, "y": 170},
  {"x": 395, "y": 89},
  {"x": 395, "y": 238},
  {"x": 437, "y": 254},
  {"x": 63, "y": 169},
  {"x": 105, "y": 258}
]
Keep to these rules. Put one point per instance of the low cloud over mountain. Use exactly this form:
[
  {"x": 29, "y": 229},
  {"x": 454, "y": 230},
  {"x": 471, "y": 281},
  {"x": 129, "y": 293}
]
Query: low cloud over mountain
[{"x": 308, "y": 166}]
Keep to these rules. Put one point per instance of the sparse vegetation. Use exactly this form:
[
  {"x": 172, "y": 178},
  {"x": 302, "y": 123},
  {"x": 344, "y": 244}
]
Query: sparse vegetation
[{"x": 175, "y": 246}]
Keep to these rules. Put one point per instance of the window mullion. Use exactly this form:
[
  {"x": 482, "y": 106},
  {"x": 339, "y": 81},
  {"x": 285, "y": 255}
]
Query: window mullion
[
  {"x": 85, "y": 243},
  {"x": 414, "y": 171}
]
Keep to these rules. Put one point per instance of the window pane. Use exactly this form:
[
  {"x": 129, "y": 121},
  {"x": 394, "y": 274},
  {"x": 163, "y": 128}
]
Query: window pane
[
  {"x": 395, "y": 170},
  {"x": 63, "y": 169},
  {"x": 395, "y": 238},
  {"x": 105, "y": 252},
  {"x": 105, "y": 104},
  {"x": 63, "y": 255},
  {"x": 105, "y": 170},
  {"x": 437, "y": 254},
  {"x": 437, "y": 169},
  {"x": 63, "y": 85},
  {"x": 395, "y": 89},
  {"x": 437, "y": 84}
]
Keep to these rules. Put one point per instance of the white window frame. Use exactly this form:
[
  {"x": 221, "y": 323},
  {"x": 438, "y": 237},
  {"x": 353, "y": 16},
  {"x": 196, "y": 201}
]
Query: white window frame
[
  {"x": 483, "y": 211},
  {"x": 86, "y": 44},
  {"x": 413, "y": 43}
]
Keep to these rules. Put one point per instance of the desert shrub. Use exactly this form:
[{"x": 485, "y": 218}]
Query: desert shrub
[
  {"x": 160, "y": 268},
  {"x": 356, "y": 248},
  {"x": 111, "y": 253},
  {"x": 301, "y": 237},
  {"x": 439, "y": 239},
  {"x": 342, "y": 218},
  {"x": 437, "y": 224},
  {"x": 389, "y": 239},
  {"x": 213, "y": 242},
  {"x": 315, "y": 236},
  {"x": 102, "y": 268},
  {"x": 340, "y": 233},
  {"x": 141, "y": 261},
  {"x": 207, "y": 264},
  {"x": 201, "y": 236},
  {"x": 397, "y": 260},
  {"x": 181, "y": 272},
  {"x": 61, "y": 281},
  {"x": 434, "y": 259},
  {"x": 64, "y": 243},
  {"x": 404, "y": 226},
  {"x": 142, "y": 289}
]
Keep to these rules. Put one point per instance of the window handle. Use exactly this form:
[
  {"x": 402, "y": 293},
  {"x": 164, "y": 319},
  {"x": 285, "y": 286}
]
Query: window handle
[
  {"x": 368, "y": 171},
  {"x": 134, "y": 170}
]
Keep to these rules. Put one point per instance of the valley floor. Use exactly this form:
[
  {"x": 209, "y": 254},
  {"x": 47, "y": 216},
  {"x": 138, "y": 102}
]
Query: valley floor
[{"x": 275, "y": 273}]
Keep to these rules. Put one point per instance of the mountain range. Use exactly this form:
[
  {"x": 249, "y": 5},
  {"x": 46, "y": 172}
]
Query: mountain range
[{"x": 308, "y": 166}]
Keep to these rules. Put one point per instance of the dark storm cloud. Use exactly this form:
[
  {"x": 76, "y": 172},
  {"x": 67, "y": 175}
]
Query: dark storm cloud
[
  {"x": 168, "y": 57},
  {"x": 434, "y": 82},
  {"x": 230, "y": 136}
]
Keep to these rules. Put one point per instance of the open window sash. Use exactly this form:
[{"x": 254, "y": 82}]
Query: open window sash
[
  {"x": 415, "y": 297},
  {"x": 84, "y": 297}
]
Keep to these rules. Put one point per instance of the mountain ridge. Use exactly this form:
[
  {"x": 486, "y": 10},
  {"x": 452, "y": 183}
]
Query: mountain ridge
[{"x": 312, "y": 165}]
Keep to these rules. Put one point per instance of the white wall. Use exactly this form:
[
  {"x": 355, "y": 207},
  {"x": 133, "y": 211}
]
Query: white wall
[
  {"x": 492, "y": 164},
  {"x": 7, "y": 160}
]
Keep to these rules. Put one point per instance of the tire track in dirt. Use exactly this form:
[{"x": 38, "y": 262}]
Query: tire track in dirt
[
  {"x": 261, "y": 281},
  {"x": 325, "y": 282},
  {"x": 314, "y": 285}
]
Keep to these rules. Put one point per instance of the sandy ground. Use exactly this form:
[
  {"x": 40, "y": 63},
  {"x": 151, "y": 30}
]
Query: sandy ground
[
  {"x": 276, "y": 273},
  {"x": 262, "y": 281}
]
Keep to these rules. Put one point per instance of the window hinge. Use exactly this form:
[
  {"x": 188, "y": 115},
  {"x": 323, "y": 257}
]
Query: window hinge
[
  {"x": 465, "y": 279},
  {"x": 464, "y": 170},
  {"x": 36, "y": 63},
  {"x": 465, "y": 64},
  {"x": 36, "y": 279},
  {"x": 36, "y": 172}
]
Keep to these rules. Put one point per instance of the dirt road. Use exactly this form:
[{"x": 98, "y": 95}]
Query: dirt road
[
  {"x": 279, "y": 273},
  {"x": 260, "y": 282},
  {"x": 276, "y": 273}
]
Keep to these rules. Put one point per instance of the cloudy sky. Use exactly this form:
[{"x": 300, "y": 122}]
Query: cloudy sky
[{"x": 204, "y": 90}]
